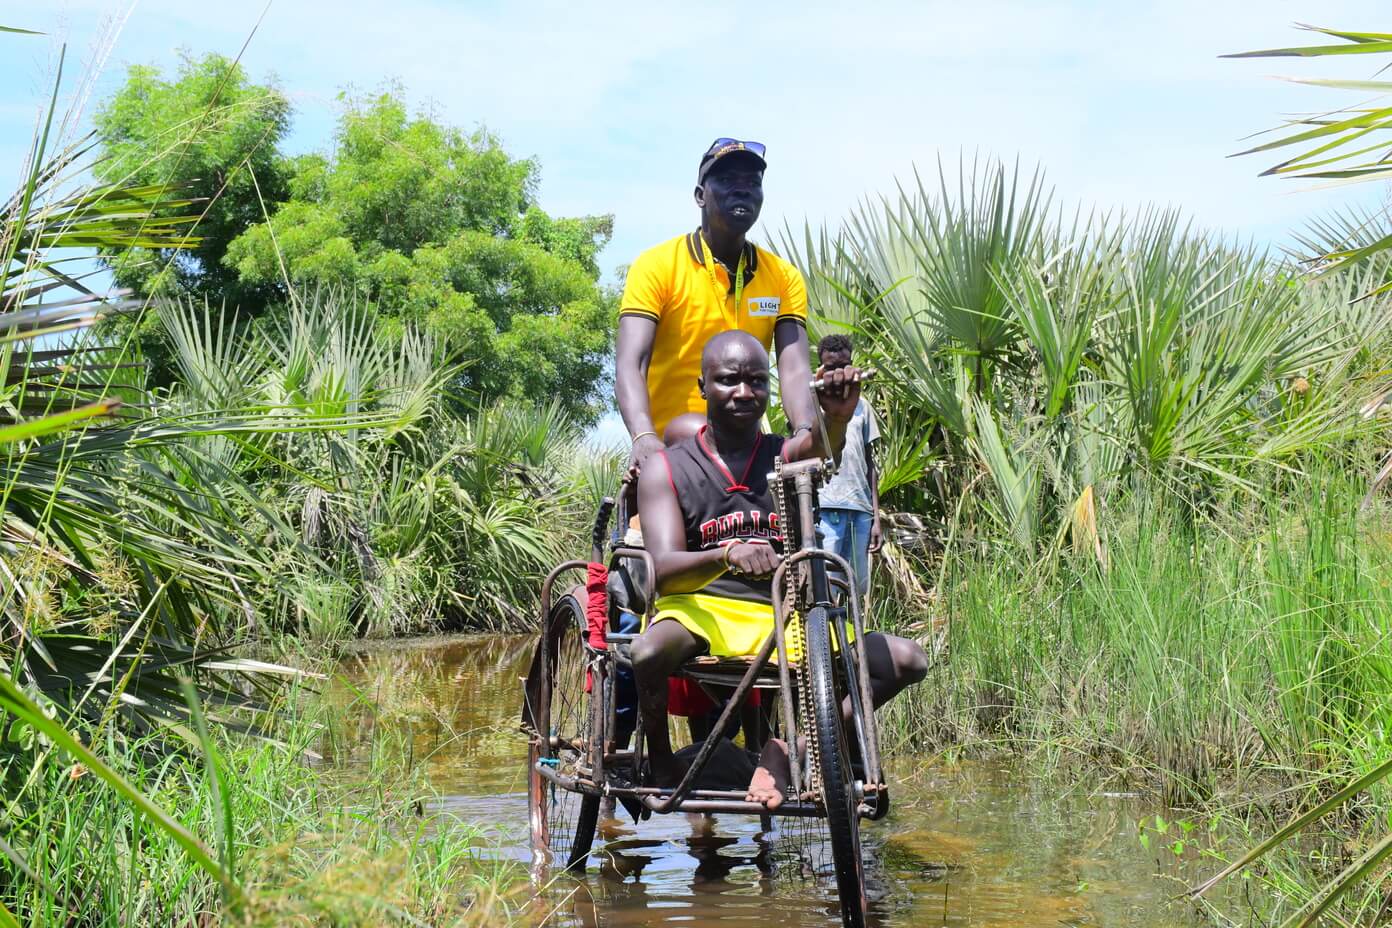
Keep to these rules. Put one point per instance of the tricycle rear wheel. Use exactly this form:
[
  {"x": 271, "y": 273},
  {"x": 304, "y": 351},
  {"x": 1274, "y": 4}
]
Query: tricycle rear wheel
[{"x": 563, "y": 821}]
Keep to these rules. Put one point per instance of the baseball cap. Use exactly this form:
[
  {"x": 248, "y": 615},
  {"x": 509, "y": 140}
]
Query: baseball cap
[{"x": 722, "y": 147}]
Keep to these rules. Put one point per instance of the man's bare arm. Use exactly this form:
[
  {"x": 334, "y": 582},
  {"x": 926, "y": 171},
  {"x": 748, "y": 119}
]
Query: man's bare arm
[
  {"x": 678, "y": 570},
  {"x": 794, "y": 371},
  {"x": 631, "y": 359},
  {"x": 838, "y": 396},
  {"x": 807, "y": 444}
]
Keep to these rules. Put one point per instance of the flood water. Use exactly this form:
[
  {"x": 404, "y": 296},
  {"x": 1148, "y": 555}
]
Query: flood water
[{"x": 966, "y": 843}]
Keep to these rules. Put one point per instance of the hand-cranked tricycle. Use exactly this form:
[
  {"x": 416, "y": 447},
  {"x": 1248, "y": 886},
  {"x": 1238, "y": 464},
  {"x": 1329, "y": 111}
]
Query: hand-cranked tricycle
[{"x": 576, "y": 759}]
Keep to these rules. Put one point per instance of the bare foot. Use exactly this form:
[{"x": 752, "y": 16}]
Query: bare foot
[{"x": 770, "y": 780}]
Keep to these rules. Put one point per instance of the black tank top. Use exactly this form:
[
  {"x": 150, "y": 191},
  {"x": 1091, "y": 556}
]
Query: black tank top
[{"x": 717, "y": 506}]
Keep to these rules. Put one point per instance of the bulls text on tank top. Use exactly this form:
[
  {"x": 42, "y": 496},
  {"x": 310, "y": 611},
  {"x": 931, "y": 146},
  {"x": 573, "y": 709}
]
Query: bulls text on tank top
[{"x": 718, "y": 507}]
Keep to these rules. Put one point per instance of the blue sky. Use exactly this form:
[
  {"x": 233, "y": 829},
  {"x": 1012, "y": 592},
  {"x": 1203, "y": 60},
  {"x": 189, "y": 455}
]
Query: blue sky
[{"x": 1121, "y": 104}]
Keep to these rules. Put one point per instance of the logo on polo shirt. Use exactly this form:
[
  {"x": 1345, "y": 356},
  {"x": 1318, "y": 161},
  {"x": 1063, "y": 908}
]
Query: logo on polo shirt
[{"x": 765, "y": 305}]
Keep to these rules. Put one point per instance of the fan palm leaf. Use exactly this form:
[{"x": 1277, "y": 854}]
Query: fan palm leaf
[
  {"x": 1062, "y": 358},
  {"x": 1328, "y": 143}
]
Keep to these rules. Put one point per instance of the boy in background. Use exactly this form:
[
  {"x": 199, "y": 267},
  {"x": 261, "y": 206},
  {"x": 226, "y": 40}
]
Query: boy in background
[{"x": 850, "y": 502}]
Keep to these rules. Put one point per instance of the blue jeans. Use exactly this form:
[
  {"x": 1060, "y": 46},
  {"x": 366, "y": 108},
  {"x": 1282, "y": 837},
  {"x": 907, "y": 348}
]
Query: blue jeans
[
  {"x": 625, "y": 689},
  {"x": 847, "y": 532}
]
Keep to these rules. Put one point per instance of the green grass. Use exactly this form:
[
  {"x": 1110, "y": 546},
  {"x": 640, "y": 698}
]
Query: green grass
[
  {"x": 304, "y": 847},
  {"x": 1239, "y": 660}
]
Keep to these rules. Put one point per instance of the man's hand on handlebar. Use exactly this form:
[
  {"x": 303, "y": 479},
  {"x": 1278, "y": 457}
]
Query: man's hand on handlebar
[
  {"x": 839, "y": 391},
  {"x": 752, "y": 559}
]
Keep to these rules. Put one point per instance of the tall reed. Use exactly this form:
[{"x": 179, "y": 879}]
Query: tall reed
[{"x": 1205, "y": 651}]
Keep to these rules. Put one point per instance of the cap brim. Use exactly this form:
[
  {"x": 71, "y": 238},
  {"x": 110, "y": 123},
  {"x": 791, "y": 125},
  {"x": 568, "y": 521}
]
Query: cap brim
[{"x": 709, "y": 166}]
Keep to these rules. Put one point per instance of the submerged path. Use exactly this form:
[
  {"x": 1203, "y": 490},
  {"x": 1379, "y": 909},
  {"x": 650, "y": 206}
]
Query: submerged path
[{"x": 970, "y": 843}]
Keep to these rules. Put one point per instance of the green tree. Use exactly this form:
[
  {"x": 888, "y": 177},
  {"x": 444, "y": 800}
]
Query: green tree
[
  {"x": 439, "y": 227},
  {"x": 435, "y": 226},
  {"x": 209, "y": 133}
]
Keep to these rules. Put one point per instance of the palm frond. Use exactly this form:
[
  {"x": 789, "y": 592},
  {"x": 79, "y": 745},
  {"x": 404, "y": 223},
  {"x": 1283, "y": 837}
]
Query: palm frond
[{"x": 1328, "y": 140}]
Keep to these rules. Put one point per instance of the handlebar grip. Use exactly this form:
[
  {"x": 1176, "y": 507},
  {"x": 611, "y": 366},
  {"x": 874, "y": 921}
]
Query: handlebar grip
[
  {"x": 865, "y": 375},
  {"x": 601, "y": 523}
]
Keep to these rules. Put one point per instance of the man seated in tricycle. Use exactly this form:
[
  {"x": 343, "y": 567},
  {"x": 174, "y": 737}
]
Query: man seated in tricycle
[{"x": 711, "y": 526}]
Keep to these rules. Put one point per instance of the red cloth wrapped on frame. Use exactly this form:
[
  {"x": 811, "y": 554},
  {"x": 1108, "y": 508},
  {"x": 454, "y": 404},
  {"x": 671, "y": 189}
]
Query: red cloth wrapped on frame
[
  {"x": 597, "y": 603},
  {"x": 596, "y": 608}
]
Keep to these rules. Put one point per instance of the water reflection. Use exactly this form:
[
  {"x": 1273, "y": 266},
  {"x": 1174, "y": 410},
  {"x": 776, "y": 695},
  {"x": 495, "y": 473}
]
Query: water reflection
[{"x": 976, "y": 844}]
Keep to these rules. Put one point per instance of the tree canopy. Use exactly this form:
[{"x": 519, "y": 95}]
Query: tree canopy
[
  {"x": 211, "y": 134},
  {"x": 435, "y": 226}
]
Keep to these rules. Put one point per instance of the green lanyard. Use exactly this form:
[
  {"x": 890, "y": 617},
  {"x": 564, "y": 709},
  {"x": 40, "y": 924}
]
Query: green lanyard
[{"x": 720, "y": 291}]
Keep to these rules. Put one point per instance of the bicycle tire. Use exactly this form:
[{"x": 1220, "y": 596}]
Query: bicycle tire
[
  {"x": 834, "y": 765},
  {"x": 563, "y": 822}
]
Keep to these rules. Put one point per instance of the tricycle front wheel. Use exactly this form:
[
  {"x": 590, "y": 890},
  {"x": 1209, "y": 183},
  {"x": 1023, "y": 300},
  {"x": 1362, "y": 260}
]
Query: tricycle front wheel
[{"x": 833, "y": 761}]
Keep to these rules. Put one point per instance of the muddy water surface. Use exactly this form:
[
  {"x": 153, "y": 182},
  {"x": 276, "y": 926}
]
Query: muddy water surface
[{"x": 970, "y": 843}]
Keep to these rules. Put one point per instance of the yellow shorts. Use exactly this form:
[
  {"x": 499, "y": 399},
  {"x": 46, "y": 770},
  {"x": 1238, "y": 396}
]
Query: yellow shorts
[{"x": 730, "y": 627}]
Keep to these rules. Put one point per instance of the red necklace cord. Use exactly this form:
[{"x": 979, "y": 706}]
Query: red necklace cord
[{"x": 720, "y": 463}]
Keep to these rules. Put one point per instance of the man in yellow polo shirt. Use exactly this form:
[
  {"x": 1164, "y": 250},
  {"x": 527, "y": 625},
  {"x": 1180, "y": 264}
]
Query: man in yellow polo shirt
[{"x": 687, "y": 289}]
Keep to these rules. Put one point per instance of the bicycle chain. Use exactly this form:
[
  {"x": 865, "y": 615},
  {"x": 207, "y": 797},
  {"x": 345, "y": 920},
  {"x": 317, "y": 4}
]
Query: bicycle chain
[
  {"x": 793, "y": 582},
  {"x": 809, "y": 723}
]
